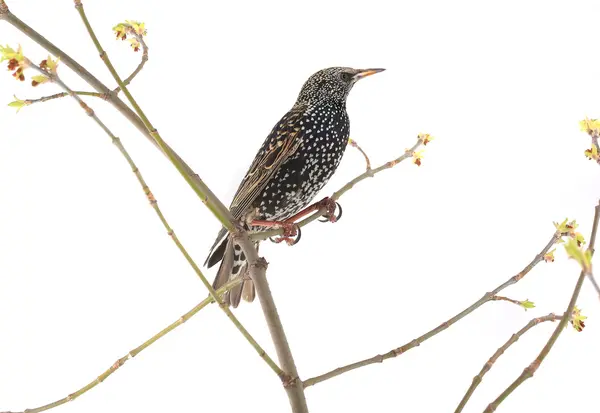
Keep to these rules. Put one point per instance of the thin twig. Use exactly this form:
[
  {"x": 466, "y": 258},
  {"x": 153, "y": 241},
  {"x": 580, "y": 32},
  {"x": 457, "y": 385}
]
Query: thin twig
[
  {"x": 353, "y": 143},
  {"x": 416, "y": 342},
  {"x": 90, "y": 112},
  {"x": 143, "y": 61},
  {"x": 131, "y": 354},
  {"x": 369, "y": 173},
  {"x": 530, "y": 370},
  {"x": 62, "y": 95},
  {"x": 511, "y": 300},
  {"x": 489, "y": 364}
]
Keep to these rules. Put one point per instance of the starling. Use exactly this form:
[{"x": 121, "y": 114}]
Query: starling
[{"x": 295, "y": 161}]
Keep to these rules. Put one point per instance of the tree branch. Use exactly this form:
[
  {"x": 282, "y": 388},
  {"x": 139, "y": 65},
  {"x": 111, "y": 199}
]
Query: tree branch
[
  {"x": 131, "y": 354},
  {"x": 489, "y": 364},
  {"x": 28, "y": 102},
  {"x": 416, "y": 342},
  {"x": 292, "y": 384},
  {"x": 208, "y": 197},
  {"x": 530, "y": 370},
  {"x": 257, "y": 269}
]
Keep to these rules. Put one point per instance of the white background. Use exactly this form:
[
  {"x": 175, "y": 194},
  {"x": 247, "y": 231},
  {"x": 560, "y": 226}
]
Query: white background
[{"x": 87, "y": 272}]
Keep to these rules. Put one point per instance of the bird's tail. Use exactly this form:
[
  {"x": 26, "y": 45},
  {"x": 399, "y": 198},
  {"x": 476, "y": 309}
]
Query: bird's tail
[{"x": 233, "y": 265}]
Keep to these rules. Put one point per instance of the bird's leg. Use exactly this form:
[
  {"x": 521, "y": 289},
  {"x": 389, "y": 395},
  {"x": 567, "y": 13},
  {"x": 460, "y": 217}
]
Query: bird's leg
[{"x": 291, "y": 231}]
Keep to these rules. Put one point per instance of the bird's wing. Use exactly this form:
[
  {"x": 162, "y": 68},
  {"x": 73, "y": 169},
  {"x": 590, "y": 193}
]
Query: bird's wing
[{"x": 282, "y": 142}]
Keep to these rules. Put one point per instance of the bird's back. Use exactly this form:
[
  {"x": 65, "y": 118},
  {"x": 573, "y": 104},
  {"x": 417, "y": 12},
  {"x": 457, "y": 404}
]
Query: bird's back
[{"x": 322, "y": 138}]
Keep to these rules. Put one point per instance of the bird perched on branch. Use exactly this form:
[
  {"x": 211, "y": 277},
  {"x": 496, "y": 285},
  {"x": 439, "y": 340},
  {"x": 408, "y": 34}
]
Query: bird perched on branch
[{"x": 295, "y": 161}]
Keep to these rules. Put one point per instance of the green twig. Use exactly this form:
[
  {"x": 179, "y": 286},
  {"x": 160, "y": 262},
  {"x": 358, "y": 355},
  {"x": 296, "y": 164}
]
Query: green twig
[
  {"x": 416, "y": 342},
  {"x": 62, "y": 95},
  {"x": 530, "y": 370},
  {"x": 489, "y": 364},
  {"x": 131, "y": 354}
]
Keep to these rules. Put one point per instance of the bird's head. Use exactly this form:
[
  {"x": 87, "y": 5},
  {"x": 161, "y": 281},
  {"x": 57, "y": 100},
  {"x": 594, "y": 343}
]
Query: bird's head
[{"x": 332, "y": 84}]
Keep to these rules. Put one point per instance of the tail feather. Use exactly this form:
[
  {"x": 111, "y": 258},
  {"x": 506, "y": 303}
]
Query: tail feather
[{"x": 233, "y": 265}]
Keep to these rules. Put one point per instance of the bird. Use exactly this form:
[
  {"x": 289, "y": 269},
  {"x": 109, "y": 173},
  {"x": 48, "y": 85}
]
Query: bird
[{"x": 298, "y": 157}]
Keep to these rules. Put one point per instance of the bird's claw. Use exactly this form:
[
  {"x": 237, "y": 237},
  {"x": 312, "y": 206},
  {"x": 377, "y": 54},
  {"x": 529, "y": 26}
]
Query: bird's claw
[
  {"x": 330, "y": 215},
  {"x": 291, "y": 234}
]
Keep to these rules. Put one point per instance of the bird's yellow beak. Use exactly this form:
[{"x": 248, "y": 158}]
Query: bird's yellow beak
[{"x": 366, "y": 72}]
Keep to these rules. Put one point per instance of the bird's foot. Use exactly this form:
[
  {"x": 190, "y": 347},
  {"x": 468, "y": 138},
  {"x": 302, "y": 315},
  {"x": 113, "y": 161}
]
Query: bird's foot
[
  {"x": 291, "y": 234},
  {"x": 291, "y": 231},
  {"x": 331, "y": 206}
]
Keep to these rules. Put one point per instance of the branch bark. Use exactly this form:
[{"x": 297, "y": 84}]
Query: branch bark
[
  {"x": 416, "y": 342},
  {"x": 490, "y": 363}
]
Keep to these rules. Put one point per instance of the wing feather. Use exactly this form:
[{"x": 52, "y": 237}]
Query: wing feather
[{"x": 282, "y": 142}]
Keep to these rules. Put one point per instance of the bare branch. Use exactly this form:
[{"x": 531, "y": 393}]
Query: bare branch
[
  {"x": 489, "y": 364},
  {"x": 525, "y": 304},
  {"x": 353, "y": 143},
  {"x": 530, "y": 370},
  {"x": 416, "y": 342},
  {"x": 292, "y": 384},
  {"x": 131, "y": 354},
  {"x": 62, "y": 95}
]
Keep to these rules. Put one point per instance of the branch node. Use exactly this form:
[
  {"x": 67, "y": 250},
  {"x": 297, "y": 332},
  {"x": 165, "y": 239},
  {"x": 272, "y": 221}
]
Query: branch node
[
  {"x": 260, "y": 264},
  {"x": 532, "y": 368},
  {"x": 288, "y": 381},
  {"x": 3, "y": 8}
]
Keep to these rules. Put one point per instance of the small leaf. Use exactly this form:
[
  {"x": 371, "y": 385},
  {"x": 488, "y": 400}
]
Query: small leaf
[
  {"x": 526, "y": 304},
  {"x": 577, "y": 319},
  {"x": 417, "y": 156},
  {"x": 590, "y": 125},
  {"x": 38, "y": 80},
  {"x": 592, "y": 153},
  {"x": 426, "y": 138},
  {"x": 549, "y": 257},
  {"x": 52, "y": 64},
  {"x": 578, "y": 236},
  {"x": 8, "y": 53},
  {"x": 566, "y": 227},
  {"x": 18, "y": 103},
  {"x": 583, "y": 258}
]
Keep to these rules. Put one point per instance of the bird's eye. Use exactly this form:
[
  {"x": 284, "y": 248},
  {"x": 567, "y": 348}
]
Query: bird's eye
[{"x": 345, "y": 76}]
